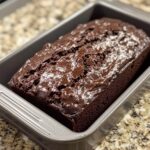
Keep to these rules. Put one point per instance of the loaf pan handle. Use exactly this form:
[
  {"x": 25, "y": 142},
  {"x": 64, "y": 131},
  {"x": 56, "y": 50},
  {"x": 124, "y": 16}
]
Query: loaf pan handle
[{"x": 16, "y": 106}]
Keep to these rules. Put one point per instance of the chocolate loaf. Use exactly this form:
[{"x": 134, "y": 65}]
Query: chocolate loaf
[{"x": 77, "y": 77}]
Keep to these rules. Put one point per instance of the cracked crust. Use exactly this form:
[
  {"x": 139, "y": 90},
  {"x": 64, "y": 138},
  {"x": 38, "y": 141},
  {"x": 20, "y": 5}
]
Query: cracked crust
[{"x": 74, "y": 79}]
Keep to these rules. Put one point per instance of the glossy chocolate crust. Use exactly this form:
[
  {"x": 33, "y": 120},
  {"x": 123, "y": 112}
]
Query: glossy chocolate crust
[{"x": 77, "y": 77}]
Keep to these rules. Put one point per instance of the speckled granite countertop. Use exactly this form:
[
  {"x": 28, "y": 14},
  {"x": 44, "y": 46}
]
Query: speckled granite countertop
[{"x": 133, "y": 131}]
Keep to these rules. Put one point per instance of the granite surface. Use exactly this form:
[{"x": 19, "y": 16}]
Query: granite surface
[{"x": 133, "y": 131}]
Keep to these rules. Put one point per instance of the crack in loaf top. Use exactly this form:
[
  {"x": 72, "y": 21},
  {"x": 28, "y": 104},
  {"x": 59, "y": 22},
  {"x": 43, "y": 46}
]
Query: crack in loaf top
[{"x": 72, "y": 71}]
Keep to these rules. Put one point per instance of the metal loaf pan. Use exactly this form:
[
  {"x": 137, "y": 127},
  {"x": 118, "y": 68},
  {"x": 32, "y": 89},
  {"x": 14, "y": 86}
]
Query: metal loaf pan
[
  {"x": 1, "y": 1},
  {"x": 41, "y": 127},
  {"x": 129, "y": 7},
  {"x": 9, "y": 6}
]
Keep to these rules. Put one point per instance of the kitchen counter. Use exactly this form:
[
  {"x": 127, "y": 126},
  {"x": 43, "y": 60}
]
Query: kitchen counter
[{"x": 132, "y": 132}]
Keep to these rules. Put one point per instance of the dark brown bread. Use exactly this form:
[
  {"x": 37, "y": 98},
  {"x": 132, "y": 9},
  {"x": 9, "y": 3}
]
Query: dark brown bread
[{"x": 77, "y": 77}]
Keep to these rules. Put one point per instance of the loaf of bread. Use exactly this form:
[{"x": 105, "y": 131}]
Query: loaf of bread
[{"x": 76, "y": 78}]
